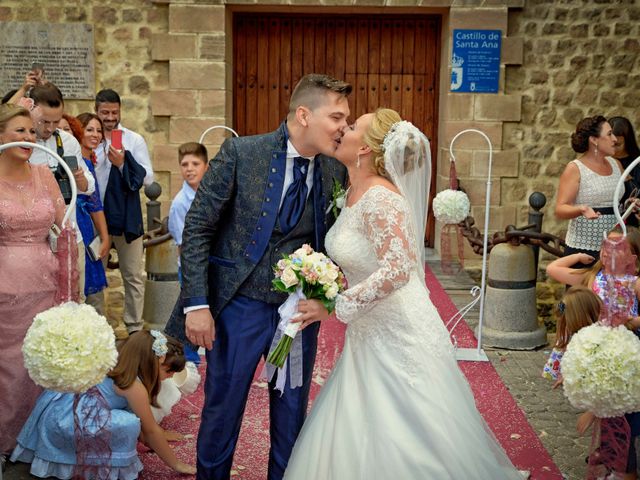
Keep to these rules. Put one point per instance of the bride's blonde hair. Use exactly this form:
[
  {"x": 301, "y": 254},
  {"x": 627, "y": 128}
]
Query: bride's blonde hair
[{"x": 383, "y": 119}]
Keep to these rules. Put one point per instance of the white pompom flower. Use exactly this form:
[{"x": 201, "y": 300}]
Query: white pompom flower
[
  {"x": 601, "y": 371},
  {"x": 69, "y": 348},
  {"x": 451, "y": 206}
]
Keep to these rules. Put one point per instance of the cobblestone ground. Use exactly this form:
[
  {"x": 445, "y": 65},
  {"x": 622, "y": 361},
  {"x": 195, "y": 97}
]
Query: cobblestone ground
[{"x": 548, "y": 411}]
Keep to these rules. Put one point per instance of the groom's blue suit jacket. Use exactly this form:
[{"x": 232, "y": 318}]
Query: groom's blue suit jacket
[{"x": 234, "y": 213}]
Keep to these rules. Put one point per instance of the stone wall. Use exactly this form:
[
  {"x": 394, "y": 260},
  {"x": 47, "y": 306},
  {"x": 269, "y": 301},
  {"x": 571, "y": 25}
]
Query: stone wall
[{"x": 580, "y": 59}]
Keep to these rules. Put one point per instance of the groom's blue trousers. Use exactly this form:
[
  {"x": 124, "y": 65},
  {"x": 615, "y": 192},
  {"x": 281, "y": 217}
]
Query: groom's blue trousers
[{"x": 244, "y": 330}]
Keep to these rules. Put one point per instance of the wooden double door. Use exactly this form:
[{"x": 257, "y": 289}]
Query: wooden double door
[{"x": 391, "y": 61}]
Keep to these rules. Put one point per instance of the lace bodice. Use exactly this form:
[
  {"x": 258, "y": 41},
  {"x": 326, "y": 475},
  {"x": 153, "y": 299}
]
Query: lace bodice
[{"x": 386, "y": 301}]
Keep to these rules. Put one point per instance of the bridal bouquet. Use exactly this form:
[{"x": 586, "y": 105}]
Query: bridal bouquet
[
  {"x": 305, "y": 274},
  {"x": 601, "y": 371}
]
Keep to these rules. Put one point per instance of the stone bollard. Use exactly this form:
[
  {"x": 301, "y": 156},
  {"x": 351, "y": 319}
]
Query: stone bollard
[
  {"x": 161, "y": 253},
  {"x": 510, "y": 314}
]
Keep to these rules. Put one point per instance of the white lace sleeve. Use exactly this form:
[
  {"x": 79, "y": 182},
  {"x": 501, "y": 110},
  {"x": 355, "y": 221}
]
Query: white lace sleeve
[{"x": 385, "y": 223}]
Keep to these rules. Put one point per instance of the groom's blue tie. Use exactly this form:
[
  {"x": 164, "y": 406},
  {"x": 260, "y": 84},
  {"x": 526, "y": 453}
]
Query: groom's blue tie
[{"x": 296, "y": 196}]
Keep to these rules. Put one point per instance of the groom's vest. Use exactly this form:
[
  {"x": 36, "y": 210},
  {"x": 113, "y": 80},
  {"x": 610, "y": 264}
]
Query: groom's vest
[{"x": 258, "y": 284}]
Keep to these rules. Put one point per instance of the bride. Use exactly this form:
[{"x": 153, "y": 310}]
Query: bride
[{"x": 396, "y": 406}]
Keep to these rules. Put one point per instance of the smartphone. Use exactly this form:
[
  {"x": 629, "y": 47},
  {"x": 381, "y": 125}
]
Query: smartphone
[
  {"x": 116, "y": 139},
  {"x": 37, "y": 67},
  {"x": 71, "y": 161}
]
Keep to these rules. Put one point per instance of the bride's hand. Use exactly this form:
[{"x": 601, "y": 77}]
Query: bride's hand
[{"x": 310, "y": 311}]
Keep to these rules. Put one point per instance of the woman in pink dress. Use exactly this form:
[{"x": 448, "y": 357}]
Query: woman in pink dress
[{"x": 30, "y": 203}]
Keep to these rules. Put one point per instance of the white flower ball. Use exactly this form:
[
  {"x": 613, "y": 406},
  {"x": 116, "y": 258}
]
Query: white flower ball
[
  {"x": 451, "y": 206},
  {"x": 69, "y": 348},
  {"x": 601, "y": 371}
]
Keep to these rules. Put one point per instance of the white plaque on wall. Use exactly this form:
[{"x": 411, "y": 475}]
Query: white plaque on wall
[{"x": 65, "y": 50}]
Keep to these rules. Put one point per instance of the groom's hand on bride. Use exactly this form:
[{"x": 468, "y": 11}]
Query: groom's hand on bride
[
  {"x": 310, "y": 311},
  {"x": 200, "y": 328}
]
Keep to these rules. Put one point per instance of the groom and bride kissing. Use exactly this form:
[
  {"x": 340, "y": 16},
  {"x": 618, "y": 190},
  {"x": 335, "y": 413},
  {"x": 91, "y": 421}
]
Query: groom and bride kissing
[{"x": 396, "y": 405}]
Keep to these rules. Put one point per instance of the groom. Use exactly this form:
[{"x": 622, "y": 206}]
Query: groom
[{"x": 263, "y": 196}]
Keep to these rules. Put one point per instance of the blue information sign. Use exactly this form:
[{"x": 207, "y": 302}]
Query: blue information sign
[{"x": 475, "y": 62}]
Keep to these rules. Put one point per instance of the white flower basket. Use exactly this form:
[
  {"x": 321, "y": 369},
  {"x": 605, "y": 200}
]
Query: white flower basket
[
  {"x": 601, "y": 371},
  {"x": 69, "y": 348}
]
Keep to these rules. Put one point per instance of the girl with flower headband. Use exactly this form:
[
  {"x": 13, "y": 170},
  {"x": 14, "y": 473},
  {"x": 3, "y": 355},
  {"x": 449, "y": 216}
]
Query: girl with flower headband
[{"x": 48, "y": 440}]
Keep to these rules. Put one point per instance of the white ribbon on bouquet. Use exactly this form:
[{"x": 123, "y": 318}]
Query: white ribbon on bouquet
[{"x": 287, "y": 311}]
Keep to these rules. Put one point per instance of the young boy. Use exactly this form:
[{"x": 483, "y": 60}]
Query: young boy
[{"x": 193, "y": 161}]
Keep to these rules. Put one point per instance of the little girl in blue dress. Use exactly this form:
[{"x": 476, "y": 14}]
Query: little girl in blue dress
[{"x": 49, "y": 438}]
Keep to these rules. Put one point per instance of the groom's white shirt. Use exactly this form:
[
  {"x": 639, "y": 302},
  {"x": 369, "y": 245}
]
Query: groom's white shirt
[{"x": 288, "y": 178}]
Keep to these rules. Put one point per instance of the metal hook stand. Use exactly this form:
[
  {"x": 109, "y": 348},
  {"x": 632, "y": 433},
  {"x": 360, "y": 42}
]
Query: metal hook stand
[
  {"x": 477, "y": 354},
  {"x": 204, "y": 134},
  {"x": 72, "y": 180},
  {"x": 616, "y": 198}
]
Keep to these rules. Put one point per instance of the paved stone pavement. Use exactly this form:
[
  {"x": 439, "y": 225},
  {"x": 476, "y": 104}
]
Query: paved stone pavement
[{"x": 549, "y": 413}]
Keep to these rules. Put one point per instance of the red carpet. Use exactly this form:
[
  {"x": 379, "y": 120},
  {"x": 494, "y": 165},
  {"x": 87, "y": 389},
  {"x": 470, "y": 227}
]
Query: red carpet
[
  {"x": 494, "y": 401},
  {"x": 496, "y": 405}
]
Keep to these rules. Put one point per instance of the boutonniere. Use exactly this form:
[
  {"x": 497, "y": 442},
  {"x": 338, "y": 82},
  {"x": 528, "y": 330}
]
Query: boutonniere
[{"x": 338, "y": 198}]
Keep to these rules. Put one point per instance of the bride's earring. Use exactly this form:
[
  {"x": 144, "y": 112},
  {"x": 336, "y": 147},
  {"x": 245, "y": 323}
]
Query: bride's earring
[
  {"x": 596, "y": 150},
  {"x": 358, "y": 162}
]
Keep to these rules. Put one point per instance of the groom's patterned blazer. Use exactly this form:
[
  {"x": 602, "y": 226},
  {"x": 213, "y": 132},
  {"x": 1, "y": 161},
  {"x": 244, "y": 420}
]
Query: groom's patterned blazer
[{"x": 231, "y": 225}]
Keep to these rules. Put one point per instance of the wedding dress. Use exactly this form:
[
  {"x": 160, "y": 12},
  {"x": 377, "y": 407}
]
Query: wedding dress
[{"x": 396, "y": 406}]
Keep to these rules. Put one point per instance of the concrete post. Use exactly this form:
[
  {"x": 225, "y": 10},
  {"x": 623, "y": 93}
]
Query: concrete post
[
  {"x": 161, "y": 256},
  {"x": 511, "y": 319}
]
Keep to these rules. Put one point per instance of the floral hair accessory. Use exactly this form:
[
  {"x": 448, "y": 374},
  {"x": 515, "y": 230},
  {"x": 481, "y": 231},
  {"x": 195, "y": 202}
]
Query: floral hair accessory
[
  {"x": 561, "y": 307},
  {"x": 401, "y": 126},
  {"x": 159, "y": 344}
]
